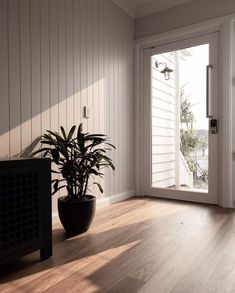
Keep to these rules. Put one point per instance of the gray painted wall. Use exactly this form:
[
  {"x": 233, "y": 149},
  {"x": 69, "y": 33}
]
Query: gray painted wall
[{"x": 186, "y": 14}]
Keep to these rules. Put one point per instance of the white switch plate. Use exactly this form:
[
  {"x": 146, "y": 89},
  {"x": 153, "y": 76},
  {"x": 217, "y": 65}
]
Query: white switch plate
[{"x": 87, "y": 112}]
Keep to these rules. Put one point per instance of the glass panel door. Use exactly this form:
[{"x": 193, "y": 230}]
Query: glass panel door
[
  {"x": 179, "y": 124},
  {"x": 183, "y": 107}
]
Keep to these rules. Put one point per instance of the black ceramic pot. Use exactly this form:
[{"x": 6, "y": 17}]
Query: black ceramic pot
[{"x": 76, "y": 216}]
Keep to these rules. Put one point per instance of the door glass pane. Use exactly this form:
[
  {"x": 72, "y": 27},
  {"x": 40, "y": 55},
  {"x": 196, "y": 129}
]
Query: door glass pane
[{"x": 179, "y": 124}]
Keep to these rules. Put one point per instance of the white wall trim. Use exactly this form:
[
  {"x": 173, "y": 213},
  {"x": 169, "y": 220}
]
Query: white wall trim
[
  {"x": 127, "y": 6},
  {"x": 184, "y": 32},
  {"x": 226, "y": 104},
  {"x": 154, "y": 7},
  {"x": 223, "y": 26},
  {"x": 103, "y": 202}
]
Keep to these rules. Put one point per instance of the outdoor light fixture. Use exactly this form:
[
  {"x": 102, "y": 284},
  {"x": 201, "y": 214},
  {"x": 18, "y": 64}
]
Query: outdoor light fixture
[{"x": 166, "y": 70}]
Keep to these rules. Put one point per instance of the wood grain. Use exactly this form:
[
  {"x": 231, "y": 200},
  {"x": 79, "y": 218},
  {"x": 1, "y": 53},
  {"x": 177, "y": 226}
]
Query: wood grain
[{"x": 140, "y": 245}]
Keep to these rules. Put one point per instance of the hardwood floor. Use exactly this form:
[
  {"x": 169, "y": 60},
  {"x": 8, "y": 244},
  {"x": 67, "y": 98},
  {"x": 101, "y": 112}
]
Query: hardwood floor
[{"x": 140, "y": 245}]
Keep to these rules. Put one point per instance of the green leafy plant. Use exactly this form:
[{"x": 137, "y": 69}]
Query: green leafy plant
[
  {"x": 189, "y": 139},
  {"x": 203, "y": 144},
  {"x": 78, "y": 157},
  {"x": 204, "y": 175}
]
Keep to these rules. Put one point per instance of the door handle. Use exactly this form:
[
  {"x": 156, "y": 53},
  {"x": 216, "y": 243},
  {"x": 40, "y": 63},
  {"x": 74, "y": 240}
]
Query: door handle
[{"x": 208, "y": 69}]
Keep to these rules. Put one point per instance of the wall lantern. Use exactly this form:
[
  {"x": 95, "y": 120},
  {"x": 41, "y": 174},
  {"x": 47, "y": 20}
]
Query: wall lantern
[{"x": 166, "y": 70}]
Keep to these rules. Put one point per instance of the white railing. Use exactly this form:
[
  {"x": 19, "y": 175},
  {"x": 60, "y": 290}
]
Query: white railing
[{"x": 186, "y": 176}]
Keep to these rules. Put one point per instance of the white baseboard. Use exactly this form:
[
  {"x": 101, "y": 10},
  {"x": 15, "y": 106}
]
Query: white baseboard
[
  {"x": 102, "y": 202},
  {"x": 105, "y": 201}
]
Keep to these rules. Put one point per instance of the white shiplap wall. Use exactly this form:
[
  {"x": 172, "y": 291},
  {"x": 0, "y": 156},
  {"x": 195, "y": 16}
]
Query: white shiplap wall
[{"x": 57, "y": 56}]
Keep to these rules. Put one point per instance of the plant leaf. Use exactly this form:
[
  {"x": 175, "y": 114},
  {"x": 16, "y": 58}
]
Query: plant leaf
[
  {"x": 71, "y": 132},
  {"x": 63, "y": 132},
  {"x": 56, "y": 172},
  {"x": 58, "y": 189},
  {"x": 55, "y": 155},
  {"x": 99, "y": 186},
  {"x": 80, "y": 128},
  {"x": 55, "y": 185}
]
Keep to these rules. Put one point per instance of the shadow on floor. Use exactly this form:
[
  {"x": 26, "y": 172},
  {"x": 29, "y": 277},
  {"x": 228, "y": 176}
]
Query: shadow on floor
[{"x": 136, "y": 247}]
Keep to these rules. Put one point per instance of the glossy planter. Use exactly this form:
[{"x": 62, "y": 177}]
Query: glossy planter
[{"x": 76, "y": 216}]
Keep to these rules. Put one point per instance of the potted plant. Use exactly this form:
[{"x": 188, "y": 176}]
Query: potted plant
[{"x": 78, "y": 156}]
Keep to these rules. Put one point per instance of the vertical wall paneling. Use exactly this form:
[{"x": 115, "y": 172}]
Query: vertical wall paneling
[
  {"x": 14, "y": 77},
  {"x": 121, "y": 122},
  {"x": 95, "y": 54},
  {"x": 101, "y": 78},
  {"x": 69, "y": 62},
  {"x": 125, "y": 94},
  {"x": 131, "y": 105},
  {"x": 119, "y": 70},
  {"x": 89, "y": 60},
  {"x": 90, "y": 67},
  {"x": 62, "y": 64},
  {"x": 35, "y": 69},
  {"x": 4, "y": 80},
  {"x": 116, "y": 94},
  {"x": 45, "y": 66},
  {"x": 77, "y": 62},
  {"x": 54, "y": 72},
  {"x": 111, "y": 111},
  {"x": 58, "y": 56},
  {"x": 123, "y": 106},
  {"x": 61, "y": 41},
  {"x": 106, "y": 83},
  {"x": 54, "y": 95},
  {"x": 25, "y": 73},
  {"x": 83, "y": 72},
  {"x": 118, "y": 102},
  {"x": 101, "y": 65},
  {"x": 95, "y": 70}
]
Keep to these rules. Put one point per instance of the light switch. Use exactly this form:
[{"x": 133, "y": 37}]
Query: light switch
[{"x": 87, "y": 111}]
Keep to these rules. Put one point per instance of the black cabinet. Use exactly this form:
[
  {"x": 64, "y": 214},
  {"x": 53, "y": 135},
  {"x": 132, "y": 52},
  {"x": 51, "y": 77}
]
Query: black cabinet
[{"x": 25, "y": 207}]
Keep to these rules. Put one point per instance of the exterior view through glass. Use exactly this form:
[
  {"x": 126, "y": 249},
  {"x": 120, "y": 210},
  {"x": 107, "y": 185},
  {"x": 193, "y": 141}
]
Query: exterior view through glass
[{"x": 179, "y": 123}]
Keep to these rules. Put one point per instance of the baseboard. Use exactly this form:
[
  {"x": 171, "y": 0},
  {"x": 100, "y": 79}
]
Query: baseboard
[
  {"x": 102, "y": 202},
  {"x": 105, "y": 201}
]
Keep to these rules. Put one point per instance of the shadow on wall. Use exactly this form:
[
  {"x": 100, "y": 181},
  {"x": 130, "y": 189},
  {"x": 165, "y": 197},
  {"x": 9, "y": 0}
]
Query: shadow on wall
[
  {"x": 48, "y": 74},
  {"x": 26, "y": 152},
  {"x": 59, "y": 59}
]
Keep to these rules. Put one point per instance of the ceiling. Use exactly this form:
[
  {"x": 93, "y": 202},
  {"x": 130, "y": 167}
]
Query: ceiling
[{"x": 140, "y": 8}]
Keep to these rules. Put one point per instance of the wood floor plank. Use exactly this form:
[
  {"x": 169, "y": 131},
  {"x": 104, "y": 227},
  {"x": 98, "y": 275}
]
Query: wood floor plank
[{"x": 141, "y": 245}]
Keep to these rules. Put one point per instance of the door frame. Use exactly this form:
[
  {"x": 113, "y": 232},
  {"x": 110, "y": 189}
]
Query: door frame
[
  {"x": 224, "y": 27},
  {"x": 196, "y": 196}
]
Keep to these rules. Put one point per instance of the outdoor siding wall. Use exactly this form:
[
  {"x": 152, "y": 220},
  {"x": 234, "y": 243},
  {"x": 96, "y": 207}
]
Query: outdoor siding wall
[
  {"x": 57, "y": 56},
  {"x": 163, "y": 124}
]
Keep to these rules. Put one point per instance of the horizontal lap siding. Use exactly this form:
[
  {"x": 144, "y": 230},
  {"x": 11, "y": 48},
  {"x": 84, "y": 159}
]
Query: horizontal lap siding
[
  {"x": 163, "y": 176},
  {"x": 163, "y": 124},
  {"x": 161, "y": 158}
]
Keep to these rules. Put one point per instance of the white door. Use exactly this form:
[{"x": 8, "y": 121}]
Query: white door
[{"x": 181, "y": 120}]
